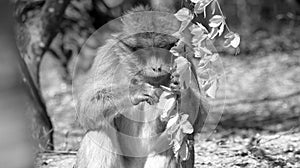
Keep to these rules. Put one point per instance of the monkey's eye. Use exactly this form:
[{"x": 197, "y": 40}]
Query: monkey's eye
[
  {"x": 130, "y": 47},
  {"x": 171, "y": 45},
  {"x": 133, "y": 49}
]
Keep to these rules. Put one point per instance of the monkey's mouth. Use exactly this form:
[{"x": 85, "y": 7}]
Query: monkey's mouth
[{"x": 159, "y": 80}]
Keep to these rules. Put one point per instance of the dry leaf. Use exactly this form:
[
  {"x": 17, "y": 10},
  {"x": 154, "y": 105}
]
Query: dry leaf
[{"x": 212, "y": 91}]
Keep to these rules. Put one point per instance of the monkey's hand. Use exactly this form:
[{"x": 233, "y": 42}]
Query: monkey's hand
[
  {"x": 175, "y": 82},
  {"x": 144, "y": 92}
]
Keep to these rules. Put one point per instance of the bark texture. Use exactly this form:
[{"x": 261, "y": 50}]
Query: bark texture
[{"x": 37, "y": 23}]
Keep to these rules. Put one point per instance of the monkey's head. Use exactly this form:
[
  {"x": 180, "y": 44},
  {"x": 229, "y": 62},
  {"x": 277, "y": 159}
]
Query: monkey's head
[
  {"x": 147, "y": 38},
  {"x": 153, "y": 63}
]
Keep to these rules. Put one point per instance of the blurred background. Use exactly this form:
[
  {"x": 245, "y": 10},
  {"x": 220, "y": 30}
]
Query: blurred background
[{"x": 40, "y": 44}]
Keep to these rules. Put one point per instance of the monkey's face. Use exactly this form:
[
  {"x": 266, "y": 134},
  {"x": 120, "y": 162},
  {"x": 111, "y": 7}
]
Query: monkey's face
[{"x": 154, "y": 65}]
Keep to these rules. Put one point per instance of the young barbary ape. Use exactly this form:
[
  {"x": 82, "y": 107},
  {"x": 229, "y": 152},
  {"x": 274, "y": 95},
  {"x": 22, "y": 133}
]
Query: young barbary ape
[{"x": 117, "y": 102}]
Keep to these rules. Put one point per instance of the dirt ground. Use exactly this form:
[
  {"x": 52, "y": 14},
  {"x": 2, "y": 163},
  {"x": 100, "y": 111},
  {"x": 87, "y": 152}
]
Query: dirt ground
[{"x": 260, "y": 124}]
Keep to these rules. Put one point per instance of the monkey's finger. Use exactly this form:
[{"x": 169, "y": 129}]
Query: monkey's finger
[
  {"x": 175, "y": 75},
  {"x": 155, "y": 98},
  {"x": 175, "y": 81},
  {"x": 138, "y": 99},
  {"x": 158, "y": 92},
  {"x": 175, "y": 86},
  {"x": 150, "y": 101}
]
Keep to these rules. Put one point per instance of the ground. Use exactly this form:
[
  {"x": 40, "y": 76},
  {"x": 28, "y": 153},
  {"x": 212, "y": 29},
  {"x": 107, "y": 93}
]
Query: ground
[{"x": 259, "y": 125}]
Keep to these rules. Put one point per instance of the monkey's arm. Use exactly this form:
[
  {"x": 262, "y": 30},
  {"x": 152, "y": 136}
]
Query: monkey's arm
[
  {"x": 100, "y": 103},
  {"x": 102, "y": 90},
  {"x": 97, "y": 106}
]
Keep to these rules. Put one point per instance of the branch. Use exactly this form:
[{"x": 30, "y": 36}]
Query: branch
[{"x": 52, "y": 12}]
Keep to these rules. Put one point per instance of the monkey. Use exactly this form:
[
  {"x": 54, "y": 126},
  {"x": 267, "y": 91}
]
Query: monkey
[{"x": 116, "y": 102}]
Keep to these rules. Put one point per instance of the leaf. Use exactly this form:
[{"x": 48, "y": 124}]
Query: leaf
[
  {"x": 187, "y": 127},
  {"x": 178, "y": 131},
  {"x": 227, "y": 43},
  {"x": 204, "y": 12},
  {"x": 236, "y": 41},
  {"x": 184, "y": 70},
  {"x": 214, "y": 57},
  {"x": 201, "y": 5},
  {"x": 232, "y": 39},
  {"x": 167, "y": 103},
  {"x": 199, "y": 8},
  {"x": 176, "y": 146},
  {"x": 167, "y": 89},
  {"x": 184, "y": 117},
  {"x": 172, "y": 122},
  {"x": 184, "y": 14},
  {"x": 204, "y": 75},
  {"x": 198, "y": 54},
  {"x": 213, "y": 7},
  {"x": 221, "y": 30},
  {"x": 198, "y": 29},
  {"x": 174, "y": 52},
  {"x": 185, "y": 40},
  {"x": 205, "y": 50},
  {"x": 203, "y": 63},
  {"x": 214, "y": 32},
  {"x": 196, "y": 1},
  {"x": 199, "y": 33},
  {"x": 197, "y": 40},
  {"x": 206, "y": 85},
  {"x": 216, "y": 21},
  {"x": 179, "y": 138},
  {"x": 229, "y": 35},
  {"x": 184, "y": 25},
  {"x": 212, "y": 90},
  {"x": 184, "y": 152},
  {"x": 184, "y": 124}
]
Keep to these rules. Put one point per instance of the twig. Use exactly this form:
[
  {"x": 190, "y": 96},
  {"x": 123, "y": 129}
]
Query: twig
[
  {"x": 61, "y": 152},
  {"x": 290, "y": 132},
  {"x": 221, "y": 12}
]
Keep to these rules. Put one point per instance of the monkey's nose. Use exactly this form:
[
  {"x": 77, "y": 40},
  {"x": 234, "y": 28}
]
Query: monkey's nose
[{"x": 157, "y": 69}]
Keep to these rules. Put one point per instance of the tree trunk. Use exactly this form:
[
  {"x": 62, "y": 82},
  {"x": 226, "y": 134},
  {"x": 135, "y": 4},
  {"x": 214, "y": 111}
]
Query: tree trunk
[
  {"x": 37, "y": 24},
  {"x": 36, "y": 30}
]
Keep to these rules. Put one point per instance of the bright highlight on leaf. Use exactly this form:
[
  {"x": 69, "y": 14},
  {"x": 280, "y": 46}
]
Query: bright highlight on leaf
[
  {"x": 198, "y": 29},
  {"x": 178, "y": 127},
  {"x": 212, "y": 90},
  {"x": 167, "y": 103},
  {"x": 172, "y": 122},
  {"x": 213, "y": 7},
  {"x": 184, "y": 14},
  {"x": 232, "y": 39},
  {"x": 214, "y": 32},
  {"x": 183, "y": 68},
  {"x": 216, "y": 21},
  {"x": 200, "y": 6},
  {"x": 186, "y": 126},
  {"x": 221, "y": 30},
  {"x": 196, "y": 1}
]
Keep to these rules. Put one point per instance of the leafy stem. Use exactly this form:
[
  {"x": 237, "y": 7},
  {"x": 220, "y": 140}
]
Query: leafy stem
[{"x": 221, "y": 12}]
